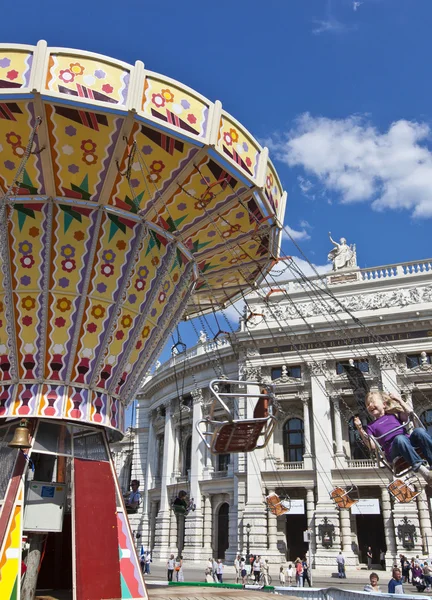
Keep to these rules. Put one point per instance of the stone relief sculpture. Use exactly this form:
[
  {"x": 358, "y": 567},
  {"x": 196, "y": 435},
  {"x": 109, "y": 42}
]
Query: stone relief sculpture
[
  {"x": 342, "y": 255},
  {"x": 353, "y": 303}
]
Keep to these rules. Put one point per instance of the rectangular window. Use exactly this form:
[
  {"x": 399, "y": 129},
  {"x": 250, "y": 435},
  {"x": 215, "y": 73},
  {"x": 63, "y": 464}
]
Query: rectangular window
[
  {"x": 286, "y": 371},
  {"x": 362, "y": 365},
  {"x": 416, "y": 360},
  {"x": 223, "y": 462}
]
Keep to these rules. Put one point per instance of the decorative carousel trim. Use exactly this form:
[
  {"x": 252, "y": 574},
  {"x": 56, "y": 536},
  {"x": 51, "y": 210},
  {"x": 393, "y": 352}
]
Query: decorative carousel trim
[
  {"x": 112, "y": 323},
  {"x": 46, "y": 289},
  {"x": 149, "y": 301},
  {"x": 86, "y": 284}
]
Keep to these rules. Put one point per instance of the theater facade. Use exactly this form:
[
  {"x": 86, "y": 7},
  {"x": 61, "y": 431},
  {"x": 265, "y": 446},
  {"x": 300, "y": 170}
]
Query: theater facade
[{"x": 296, "y": 335}]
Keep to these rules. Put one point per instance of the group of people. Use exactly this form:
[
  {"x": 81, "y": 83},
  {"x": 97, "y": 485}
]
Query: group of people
[
  {"x": 416, "y": 572},
  {"x": 253, "y": 565},
  {"x": 175, "y": 568},
  {"x": 214, "y": 571},
  {"x": 298, "y": 573}
]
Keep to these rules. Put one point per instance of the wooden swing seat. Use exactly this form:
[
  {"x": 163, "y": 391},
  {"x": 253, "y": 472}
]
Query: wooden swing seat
[
  {"x": 237, "y": 436},
  {"x": 402, "y": 491},
  {"x": 342, "y": 498},
  {"x": 275, "y": 505}
]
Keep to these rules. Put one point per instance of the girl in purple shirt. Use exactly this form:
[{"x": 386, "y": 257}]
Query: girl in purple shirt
[{"x": 392, "y": 436}]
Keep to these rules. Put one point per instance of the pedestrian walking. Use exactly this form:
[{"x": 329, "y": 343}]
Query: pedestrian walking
[
  {"x": 147, "y": 562},
  {"x": 340, "y": 559},
  {"x": 282, "y": 576},
  {"x": 178, "y": 568},
  {"x": 219, "y": 570},
  {"x": 290, "y": 574},
  {"x": 214, "y": 571},
  {"x": 243, "y": 571},
  {"x": 306, "y": 572},
  {"x": 395, "y": 584},
  {"x": 237, "y": 567},
  {"x": 406, "y": 571},
  {"x": 382, "y": 559},
  {"x": 209, "y": 571},
  {"x": 427, "y": 574},
  {"x": 265, "y": 567},
  {"x": 299, "y": 572},
  {"x": 257, "y": 568},
  {"x": 372, "y": 586},
  {"x": 369, "y": 558},
  {"x": 170, "y": 567}
]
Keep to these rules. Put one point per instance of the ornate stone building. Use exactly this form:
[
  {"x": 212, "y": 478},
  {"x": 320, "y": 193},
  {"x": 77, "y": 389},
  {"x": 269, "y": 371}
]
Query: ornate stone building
[{"x": 297, "y": 336}]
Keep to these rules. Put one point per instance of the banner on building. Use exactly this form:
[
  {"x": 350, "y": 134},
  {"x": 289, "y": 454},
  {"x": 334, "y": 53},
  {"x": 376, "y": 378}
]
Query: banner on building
[
  {"x": 366, "y": 506},
  {"x": 297, "y": 507}
]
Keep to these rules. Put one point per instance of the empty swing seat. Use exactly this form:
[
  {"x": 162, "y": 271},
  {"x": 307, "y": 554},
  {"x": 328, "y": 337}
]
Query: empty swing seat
[
  {"x": 277, "y": 506},
  {"x": 344, "y": 498},
  {"x": 402, "y": 491},
  {"x": 232, "y": 435}
]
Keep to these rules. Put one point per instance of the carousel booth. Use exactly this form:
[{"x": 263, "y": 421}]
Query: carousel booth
[{"x": 122, "y": 193}]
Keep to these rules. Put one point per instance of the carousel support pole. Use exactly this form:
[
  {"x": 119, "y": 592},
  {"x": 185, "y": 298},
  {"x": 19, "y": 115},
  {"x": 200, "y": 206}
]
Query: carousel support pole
[{"x": 28, "y": 590}]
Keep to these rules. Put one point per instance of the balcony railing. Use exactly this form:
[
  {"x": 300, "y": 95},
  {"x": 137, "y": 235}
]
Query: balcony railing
[
  {"x": 289, "y": 466},
  {"x": 364, "y": 463},
  {"x": 219, "y": 474}
]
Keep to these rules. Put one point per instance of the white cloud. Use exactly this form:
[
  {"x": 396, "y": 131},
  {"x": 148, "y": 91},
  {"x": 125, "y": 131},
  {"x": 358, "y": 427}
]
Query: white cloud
[
  {"x": 330, "y": 25},
  {"x": 288, "y": 233},
  {"x": 285, "y": 270},
  {"x": 351, "y": 157}
]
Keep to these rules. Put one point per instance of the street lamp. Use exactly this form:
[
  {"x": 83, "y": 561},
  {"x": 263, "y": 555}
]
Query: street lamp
[{"x": 248, "y": 530}]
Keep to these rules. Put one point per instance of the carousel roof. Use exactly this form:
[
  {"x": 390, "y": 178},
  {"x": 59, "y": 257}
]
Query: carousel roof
[{"x": 124, "y": 191}]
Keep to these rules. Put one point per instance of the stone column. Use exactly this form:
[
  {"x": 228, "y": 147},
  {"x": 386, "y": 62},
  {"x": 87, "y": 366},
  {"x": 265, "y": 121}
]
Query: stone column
[
  {"x": 425, "y": 522},
  {"x": 389, "y": 532},
  {"x": 254, "y": 512},
  {"x": 273, "y": 552},
  {"x": 346, "y": 539},
  {"x": 208, "y": 526},
  {"x": 152, "y": 527},
  {"x": 194, "y": 521},
  {"x": 338, "y": 431},
  {"x": 310, "y": 515},
  {"x": 387, "y": 364},
  {"x": 308, "y": 454},
  {"x": 325, "y": 508},
  {"x": 162, "y": 545},
  {"x": 233, "y": 536}
]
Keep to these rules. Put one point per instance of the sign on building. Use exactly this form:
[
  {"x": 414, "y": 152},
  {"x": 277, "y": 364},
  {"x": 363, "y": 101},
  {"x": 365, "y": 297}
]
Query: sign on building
[{"x": 366, "y": 506}]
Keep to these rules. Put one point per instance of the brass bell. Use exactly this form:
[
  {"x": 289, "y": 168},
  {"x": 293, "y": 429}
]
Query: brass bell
[{"x": 21, "y": 438}]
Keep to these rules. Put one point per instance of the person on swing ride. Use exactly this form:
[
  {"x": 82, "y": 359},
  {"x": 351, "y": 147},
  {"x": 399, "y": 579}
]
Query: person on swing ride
[{"x": 390, "y": 413}]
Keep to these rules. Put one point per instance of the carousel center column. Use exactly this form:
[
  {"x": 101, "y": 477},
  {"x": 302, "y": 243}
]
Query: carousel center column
[
  {"x": 162, "y": 532},
  {"x": 326, "y": 514}
]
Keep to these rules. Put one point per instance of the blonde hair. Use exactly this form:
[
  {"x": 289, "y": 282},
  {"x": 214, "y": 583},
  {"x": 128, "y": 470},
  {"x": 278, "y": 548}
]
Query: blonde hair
[{"x": 391, "y": 403}]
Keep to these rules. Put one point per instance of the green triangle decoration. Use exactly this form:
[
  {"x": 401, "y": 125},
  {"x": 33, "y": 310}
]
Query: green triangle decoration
[
  {"x": 69, "y": 215},
  {"x": 116, "y": 224}
]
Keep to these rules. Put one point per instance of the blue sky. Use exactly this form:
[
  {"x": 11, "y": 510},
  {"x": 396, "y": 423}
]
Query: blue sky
[{"x": 338, "y": 89}]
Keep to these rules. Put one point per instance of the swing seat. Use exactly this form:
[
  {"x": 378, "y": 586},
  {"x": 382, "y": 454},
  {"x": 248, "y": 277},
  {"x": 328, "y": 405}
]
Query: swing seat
[
  {"x": 277, "y": 506},
  {"x": 231, "y": 435},
  {"x": 344, "y": 498},
  {"x": 402, "y": 491}
]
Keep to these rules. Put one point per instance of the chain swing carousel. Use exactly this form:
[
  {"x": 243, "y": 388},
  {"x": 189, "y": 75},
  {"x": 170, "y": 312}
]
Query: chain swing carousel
[{"x": 121, "y": 192}]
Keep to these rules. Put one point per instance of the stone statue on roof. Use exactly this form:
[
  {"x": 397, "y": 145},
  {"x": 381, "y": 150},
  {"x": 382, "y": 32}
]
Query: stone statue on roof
[{"x": 342, "y": 255}]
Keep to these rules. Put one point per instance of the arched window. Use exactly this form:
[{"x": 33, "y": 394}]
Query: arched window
[
  {"x": 187, "y": 456},
  {"x": 358, "y": 449},
  {"x": 426, "y": 419},
  {"x": 293, "y": 440}
]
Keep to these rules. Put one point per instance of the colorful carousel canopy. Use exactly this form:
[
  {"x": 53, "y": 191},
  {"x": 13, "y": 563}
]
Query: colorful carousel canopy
[{"x": 128, "y": 202}]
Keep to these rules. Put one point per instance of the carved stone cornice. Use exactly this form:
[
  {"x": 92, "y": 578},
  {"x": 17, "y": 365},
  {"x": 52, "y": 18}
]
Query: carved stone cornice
[
  {"x": 249, "y": 373},
  {"x": 387, "y": 361},
  {"x": 197, "y": 396},
  {"x": 318, "y": 369}
]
